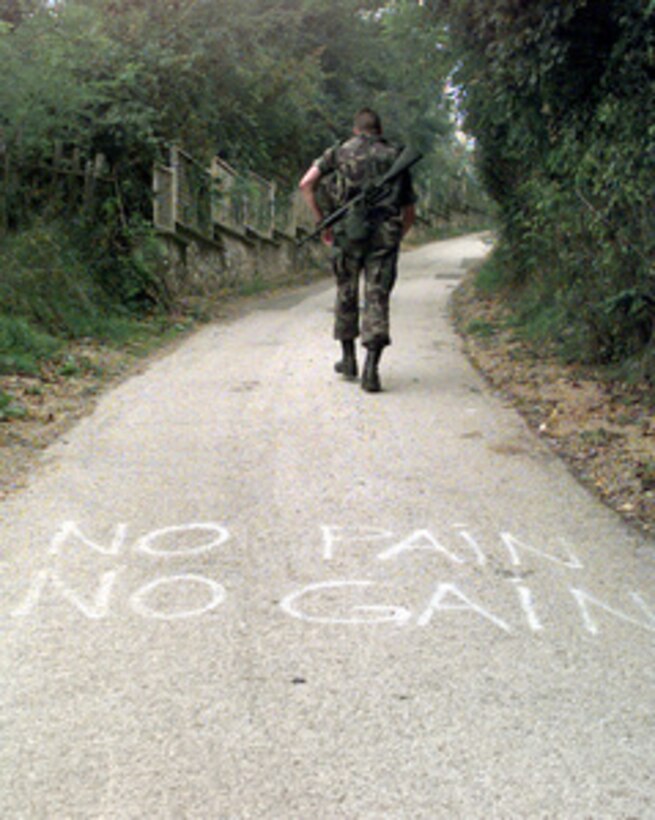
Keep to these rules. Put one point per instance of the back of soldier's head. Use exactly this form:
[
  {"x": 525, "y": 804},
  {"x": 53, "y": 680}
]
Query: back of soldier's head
[{"x": 367, "y": 122}]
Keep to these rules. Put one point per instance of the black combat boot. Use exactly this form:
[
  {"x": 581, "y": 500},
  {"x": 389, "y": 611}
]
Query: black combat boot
[
  {"x": 347, "y": 365},
  {"x": 370, "y": 376}
]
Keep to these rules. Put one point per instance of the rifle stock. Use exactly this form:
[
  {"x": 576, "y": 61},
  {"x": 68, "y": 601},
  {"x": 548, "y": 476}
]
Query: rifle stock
[{"x": 405, "y": 160}]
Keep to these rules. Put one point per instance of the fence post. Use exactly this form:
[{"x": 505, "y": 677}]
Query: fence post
[
  {"x": 4, "y": 194},
  {"x": 89, "y": 186},
  {"x": 175, "y": 164},
  {"x": 58, "y": 153},
  {"x": 272, "y": 207}
]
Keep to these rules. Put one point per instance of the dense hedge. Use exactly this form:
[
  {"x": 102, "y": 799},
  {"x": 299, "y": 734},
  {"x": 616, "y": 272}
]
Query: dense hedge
[{"x": 561, "y": 100}]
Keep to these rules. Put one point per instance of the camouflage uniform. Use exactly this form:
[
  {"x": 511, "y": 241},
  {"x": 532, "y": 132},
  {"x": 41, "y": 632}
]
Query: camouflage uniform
[{"x": 345, "y": 169}]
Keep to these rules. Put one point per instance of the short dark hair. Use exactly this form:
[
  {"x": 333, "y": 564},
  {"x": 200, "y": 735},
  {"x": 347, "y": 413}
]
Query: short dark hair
[{"x": 367, "y": 121}]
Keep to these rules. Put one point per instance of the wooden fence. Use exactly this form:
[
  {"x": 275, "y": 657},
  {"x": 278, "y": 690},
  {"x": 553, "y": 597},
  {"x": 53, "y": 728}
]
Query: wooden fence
[
  {"x": 67, "y": 179},
  {"x": 187, "y": 195}
]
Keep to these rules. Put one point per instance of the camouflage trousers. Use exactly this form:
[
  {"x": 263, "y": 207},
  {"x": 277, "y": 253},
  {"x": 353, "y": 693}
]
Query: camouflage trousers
[{"x": 379, "y": 268}]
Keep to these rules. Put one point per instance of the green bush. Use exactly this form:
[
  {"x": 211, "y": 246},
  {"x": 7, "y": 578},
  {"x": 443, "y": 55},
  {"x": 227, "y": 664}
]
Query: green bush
[
  {"x": 22, "y": 346},
  {"x": 559, "y": 97},
  {"x": 47, "y": 283},
  {"x": 490, "y": 278},
  {"x": 56, "y": 286},
  {"x": 10, "y": 408}
]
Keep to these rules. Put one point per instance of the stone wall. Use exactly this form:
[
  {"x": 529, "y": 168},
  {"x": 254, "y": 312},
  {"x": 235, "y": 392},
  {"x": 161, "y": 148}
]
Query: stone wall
[{"x": 197, "y": 268}]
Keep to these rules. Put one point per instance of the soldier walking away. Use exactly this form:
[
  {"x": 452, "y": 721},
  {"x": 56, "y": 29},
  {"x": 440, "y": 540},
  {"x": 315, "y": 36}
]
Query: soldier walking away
[{"x": 366, "y": 240}]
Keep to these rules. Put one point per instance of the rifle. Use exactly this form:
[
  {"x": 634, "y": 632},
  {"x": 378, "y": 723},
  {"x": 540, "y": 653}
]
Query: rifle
[{"x": 372, "y": 193}]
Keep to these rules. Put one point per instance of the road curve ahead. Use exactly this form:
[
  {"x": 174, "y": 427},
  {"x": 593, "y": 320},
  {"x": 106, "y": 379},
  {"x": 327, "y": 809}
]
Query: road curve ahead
[{"x": 244, "y": 588}]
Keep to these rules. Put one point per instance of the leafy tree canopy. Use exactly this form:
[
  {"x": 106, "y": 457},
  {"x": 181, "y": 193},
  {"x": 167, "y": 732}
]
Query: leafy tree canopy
[
  {"x": 561, "y": 100},
  {"x": 264, "y": 82}
]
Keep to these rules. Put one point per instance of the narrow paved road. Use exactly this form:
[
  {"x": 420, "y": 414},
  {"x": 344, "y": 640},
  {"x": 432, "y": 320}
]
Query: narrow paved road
[{"x": 246, "y": 589}]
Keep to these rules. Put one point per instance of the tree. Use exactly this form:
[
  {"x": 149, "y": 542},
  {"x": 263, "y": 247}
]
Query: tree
[{"x": 560, "y": 98}]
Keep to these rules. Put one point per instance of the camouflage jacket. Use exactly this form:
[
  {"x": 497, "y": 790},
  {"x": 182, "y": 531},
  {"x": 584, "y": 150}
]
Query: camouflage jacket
[{"x": 347, "y": 167}]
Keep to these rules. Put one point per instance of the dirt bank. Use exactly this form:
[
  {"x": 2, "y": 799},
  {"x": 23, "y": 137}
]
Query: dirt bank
[{"x": 604, "y": 430}]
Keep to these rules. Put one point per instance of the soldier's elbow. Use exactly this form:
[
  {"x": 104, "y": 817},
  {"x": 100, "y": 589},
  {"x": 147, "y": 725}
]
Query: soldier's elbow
[{"x": 309, "y": 180}]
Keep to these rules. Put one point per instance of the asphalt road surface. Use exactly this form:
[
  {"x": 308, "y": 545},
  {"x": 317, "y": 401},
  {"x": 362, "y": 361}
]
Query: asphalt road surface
[{"x": 244, "y": 588}]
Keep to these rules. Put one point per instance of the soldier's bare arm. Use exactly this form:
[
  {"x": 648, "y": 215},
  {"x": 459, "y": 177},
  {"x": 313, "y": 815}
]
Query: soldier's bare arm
[{"x": 308, "y": 187}]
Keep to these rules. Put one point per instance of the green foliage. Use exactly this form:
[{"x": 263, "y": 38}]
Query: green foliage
[
  {"x": 45, "y": 281},
  {"x": 267, "y": 84},
  {"x": 122, "y": 262},
  {"x": 22, "y": 346},
  {"x": 561, "y": 100},
  {"x": 489, "y": 278},
  {"x": 10, "y": 408},
  {"x": 46, "y": 99},
  {"x": 54, "y": 290},
  {"x": 482, "y": 329},
  {"x": 56, "y": 285}
]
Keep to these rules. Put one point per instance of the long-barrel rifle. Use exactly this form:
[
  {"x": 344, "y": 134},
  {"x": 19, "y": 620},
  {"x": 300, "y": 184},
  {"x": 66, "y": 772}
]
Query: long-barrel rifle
[{"x": 372, "y": 193}]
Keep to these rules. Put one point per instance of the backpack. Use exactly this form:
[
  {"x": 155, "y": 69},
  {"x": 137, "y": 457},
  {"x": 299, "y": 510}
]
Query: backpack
[{"x": 361, "y": 161}]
